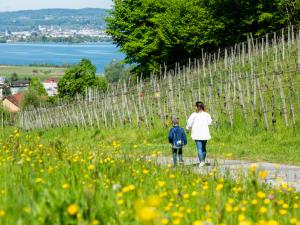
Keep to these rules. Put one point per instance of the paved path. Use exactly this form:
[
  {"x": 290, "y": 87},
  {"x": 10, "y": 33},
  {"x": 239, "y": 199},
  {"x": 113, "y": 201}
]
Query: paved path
[{"x": 277, "y": 173}]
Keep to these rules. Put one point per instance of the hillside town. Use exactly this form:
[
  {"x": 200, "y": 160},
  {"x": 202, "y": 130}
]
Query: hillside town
[{"x": 53, "y": 32}]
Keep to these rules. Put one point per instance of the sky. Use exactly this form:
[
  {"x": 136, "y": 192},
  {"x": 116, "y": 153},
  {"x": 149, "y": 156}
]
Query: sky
[{"x": 14, "y": 5}]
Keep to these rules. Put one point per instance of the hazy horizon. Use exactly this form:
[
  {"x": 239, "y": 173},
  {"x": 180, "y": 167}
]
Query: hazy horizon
[{"x": 17, "y": 5}]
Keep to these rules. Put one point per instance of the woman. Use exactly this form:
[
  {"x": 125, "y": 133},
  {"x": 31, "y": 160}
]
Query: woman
[{"x": 199, "y": 122}]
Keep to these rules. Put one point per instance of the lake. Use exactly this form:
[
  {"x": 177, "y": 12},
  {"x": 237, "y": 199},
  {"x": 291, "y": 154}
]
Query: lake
[{"x": 58, "y": 54}]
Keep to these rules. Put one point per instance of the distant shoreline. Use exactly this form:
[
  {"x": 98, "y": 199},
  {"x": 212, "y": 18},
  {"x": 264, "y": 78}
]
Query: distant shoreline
[
  {"x": 58, "y": 43},
  {"x": 36, "y": 65}
]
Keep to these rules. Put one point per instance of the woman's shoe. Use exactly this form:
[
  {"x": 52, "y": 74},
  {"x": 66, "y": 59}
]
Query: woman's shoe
[{"x": 202, "y": 164}]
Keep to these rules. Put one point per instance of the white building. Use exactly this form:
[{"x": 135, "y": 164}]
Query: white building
[{"x": 50, "y": 86}]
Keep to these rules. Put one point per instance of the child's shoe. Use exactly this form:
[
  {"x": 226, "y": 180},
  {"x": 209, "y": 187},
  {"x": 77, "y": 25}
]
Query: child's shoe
[{"x": 180, "y": 159}]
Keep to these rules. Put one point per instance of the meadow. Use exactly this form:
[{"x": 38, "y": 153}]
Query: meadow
[
  {"x": 51, "y": 181},
  {"x": 31, "y": 71}
]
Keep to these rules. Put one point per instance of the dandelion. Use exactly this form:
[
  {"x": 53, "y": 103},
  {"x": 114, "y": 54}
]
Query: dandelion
[
  {"x": 219, "y": 187},
  {"x": 254, "y": 202},
  {"x": 253, "y": 168},
  {"x": 66, "y": 186},
  {"x": 186, "y": 196},
  {"x": 198, "y": 222},
  {"x": 39, "y": 180},
  {"x": 176, "y": 221},
  {"x": 245, "y": 222},
  {"x": 73, "y": 209},
  {"x": 27, "y": 210},
  {"x": 194, "y": 193},
  {"x": 228, "y": 208},
  {"x": 189, "y": 210},
  {"x": 145, "y": 171},
  {"x": 95, "y": 222},
  {"x": 120, "y": 202},
  {"x": 164, "y": 221},
  {"x": 282, "y": 212},
  {"x": 161, "y": 183},
  {"x": 241, "y": 217},
  {"x": 263, "y": 174},
  {"x": 207, "y": 208},
  {"x": 91, "y": 167},
  {"x": 262, "y": 210},
  {"x": 153, "y": 201},
  {"x": 146, "y": 214},
  {"x": 273, "y": 222},
  {"x": 171, "y": 176},
  {"x": 175, "y": 191},
  {"x": 260, "y": 194},
  {"x": 2, "y": 213}
]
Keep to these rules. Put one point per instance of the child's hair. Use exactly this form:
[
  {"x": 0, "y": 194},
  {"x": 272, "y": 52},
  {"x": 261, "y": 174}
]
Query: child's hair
[
  {"x": 175, "y": 120},
  {"x": 200, "y": 106}
]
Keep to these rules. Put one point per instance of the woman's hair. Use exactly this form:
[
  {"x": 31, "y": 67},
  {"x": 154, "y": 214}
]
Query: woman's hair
[{"x": 200, "y": 106}]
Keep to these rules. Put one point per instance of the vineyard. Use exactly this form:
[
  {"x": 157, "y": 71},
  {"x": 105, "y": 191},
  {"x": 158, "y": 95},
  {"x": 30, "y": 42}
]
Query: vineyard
[
  {"x": 254, "y": 83},
  {"x": 78, "y": 173}
]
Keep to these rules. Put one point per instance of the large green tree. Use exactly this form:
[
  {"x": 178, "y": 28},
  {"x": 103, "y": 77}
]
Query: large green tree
[
  {"x": 78, "y": 78},
  {"x": 156, "y": 32}
]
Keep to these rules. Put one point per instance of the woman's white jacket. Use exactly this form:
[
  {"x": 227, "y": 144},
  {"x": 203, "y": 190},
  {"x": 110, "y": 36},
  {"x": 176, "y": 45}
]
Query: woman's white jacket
[{"x": 199, "y": 122}]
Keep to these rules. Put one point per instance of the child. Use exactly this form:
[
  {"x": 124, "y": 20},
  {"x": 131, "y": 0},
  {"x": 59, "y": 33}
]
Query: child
[{"x": 177, "y": 139}]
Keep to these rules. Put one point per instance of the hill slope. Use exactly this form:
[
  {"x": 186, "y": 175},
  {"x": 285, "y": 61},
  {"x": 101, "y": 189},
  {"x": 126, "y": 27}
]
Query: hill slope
[{"x": 65, "y": 18}]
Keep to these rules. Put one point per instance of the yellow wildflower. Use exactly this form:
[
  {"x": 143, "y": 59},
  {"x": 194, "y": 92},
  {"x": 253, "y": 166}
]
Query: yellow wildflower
[
  {"x": 146, "y": 214},
  {"x": 171, "y": 176},
  {"x": 228, "y": 208},
  {"x": 219, "y": 187},
  {"x": 73, "y": 209},
  {"x": 198, "y": 222},
  {"x": 145, "y": 171},
  {"x": 262, "y": 210},
  {"x": 164, "y": 221},
  {"x": 153, "y": 201},
  {"x": 263, "y": 174},
  {"x": 176, "y": 221},
  {"x": 66, "y": 186},
  {"x": 282, "y": 212},
  {"x": 260, "y": 194},
  {"x": 95, "y": 222},
  {"x": 39, "y": 180},
  {"x": 161, "y": 183},
  {"x": 253, "y": 168},
  {"x": 2, "y": 213},
  {"x": 273, "y": 222},
  {"x": 91, "y": 167}
]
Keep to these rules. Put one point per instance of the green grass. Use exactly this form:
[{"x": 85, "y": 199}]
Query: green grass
[
  {"x": 68, "y": 176},
  {"x": 281, "y": 146},
  {"x": 32, "y": 71}
]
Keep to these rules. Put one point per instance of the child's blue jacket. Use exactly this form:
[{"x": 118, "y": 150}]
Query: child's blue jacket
[{"x": 181, "y": 132}]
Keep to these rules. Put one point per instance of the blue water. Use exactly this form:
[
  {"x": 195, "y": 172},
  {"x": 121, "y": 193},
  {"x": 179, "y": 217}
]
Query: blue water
[{"x": 58, "y": 54}]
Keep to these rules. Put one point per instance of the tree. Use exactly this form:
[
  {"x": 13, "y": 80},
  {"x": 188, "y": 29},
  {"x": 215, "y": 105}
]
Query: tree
[
  {"x": 78, "y": 78},
  {"x": 35, "y": 94},
  {"x": 6, "y": 91},
  {"x": 36, "y": 86},
  {"x": 156, "y": 32},
  {"x": 14, "y": 77},
  {"x": 116, "y": 71},
  {"x": 31, "y": 99}
]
